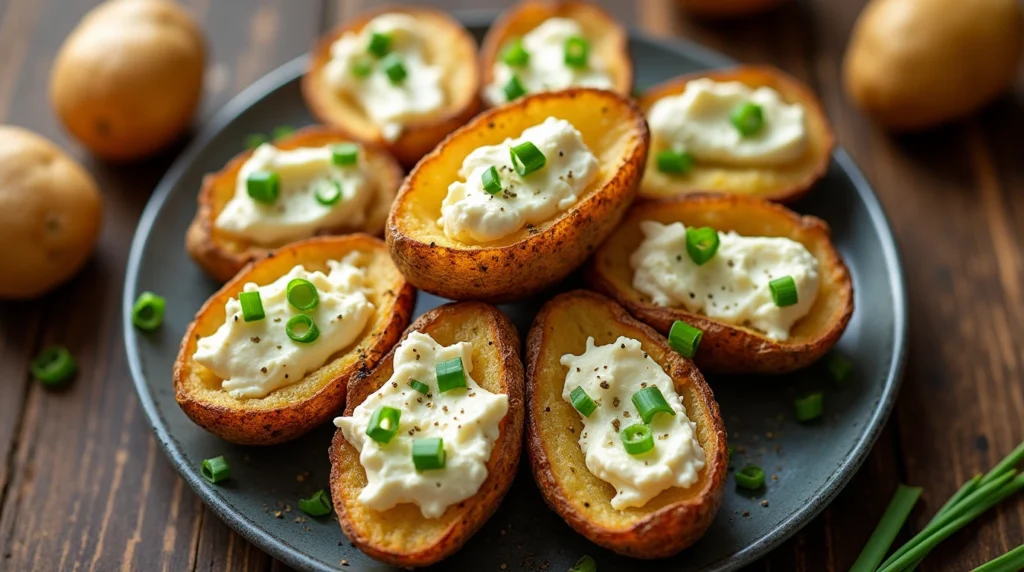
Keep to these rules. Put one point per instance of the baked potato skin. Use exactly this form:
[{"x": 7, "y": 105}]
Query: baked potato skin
[
  {"x": 674, "y": 519},
  {"x": 451, "y": 46},
  {"x": 401, "y": 536},
  {"x": 534, "y": 258},
  {"x": 293, "y": 410},
  {"x": 608, "y": 37},
  {"x": 726, "y": 348},
  {"x": 786, "y": 183},
  {"x": 222, "y": 255}
]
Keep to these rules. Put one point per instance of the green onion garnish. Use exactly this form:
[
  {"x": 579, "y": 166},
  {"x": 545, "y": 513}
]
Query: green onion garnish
[
  {"x": 527, "y": 158},
  {"x": 892, "y": 521},
  {"x": 491, "y": 181},
  {"x": 53, "y": 366},
  {"x": 577, "y": 51},
  {"x": 254, "y": 140},
  {"x": 344, "y": 154},
  {"x": 637, "y": 439},
  {"x": 684, "y": 338},
  {"x": 750, "y": 477},
  {"x": 513, "y": 89},
  {"x": 263, "y": 186},
  {"x": 302, "y": 294},
  {"x": 327, "y": 192},
  {"x": 380, "y": 44},
  {"x": 701, "y": 244},
  {"x": 394, "y": 68},
  {"x": 649, "y": 401},
  {"x": 674, "y": 162},
  {"x": 148, "y": 311},
  {"x": 450, "y": 375},
  {"x": 582, "y": 402},
  {"x": 383, "y": 424},
  {"x": 514, "y": 54},
  {"x": 362, "y": 68},
  {"x": 252, "y": 306},
  {"x": 428, "y": 453},
  {"x": 216, "y": 469},
  {"x": 281, "y": 131},
  {"x": 317, "y": 505},
  {"x": 748, "y": 118},
  {"x": 808, "y": 407},
  {"x": 303, "y": 321},
  {"x": 783, "y": 291},
  {"x": 1009, "y": 562},
  {"x": 838, "y": 366},
  {"x": 584, "y": 564},
  {"x": 419, "y": 386}
]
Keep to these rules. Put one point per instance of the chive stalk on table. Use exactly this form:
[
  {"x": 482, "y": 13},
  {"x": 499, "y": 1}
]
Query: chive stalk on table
[
  {"x": 1009, "y": 562},
  {"x": 892, "y": 521}
]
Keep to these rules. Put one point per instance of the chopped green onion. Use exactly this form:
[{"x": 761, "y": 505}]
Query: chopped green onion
[
  {"x": 216, "y": 469},
  {"x": 302, "y": 294},
  {"x": 491, "y": 181},
  {"x": 394, "y": 68},
  {"x": 450, "y": 375},
  {"x": 254, "y": 140},
  {"x": 584, "y": 564},
  {"x": 892, "y": 521},
  {"x": 1012, "y": 561},
  {"x": 252, "y": 306},
  {"x": 428, "y": 453},
  {"x": 808, "y": 407},
  {"x": 263, "y": 186},
  {"x": 53, "y": 366},
  {"x": 684, "y": 338},
  {"x": 380, "y": 44},
  {"x": 838, "y": 366},
  {"x": 750, "y": 477},
  {"x": 419, "y": 386},
  {"x": 281, "y": 131},
  {"x": 577, "y": 50},
  {"x": 148, "y": 311},
  {"x": 783, "y": 291},
  {"x": 362, "y": 68},
  {"x": 317, "y": 505},
  {"x": 514, "y": 54},
  {"x": 527, "y": 158},
  {"x": 649, "y": 401},
  {"x": 307, "y": 337},
  {"x": 674, "y": 162},
  {"x": 328, "y": 192},
  {"x": 582, "y": 402},
  {"x": 637, "y": 439},
  {"x": 701, "y": 244},
  {"x": 513, "y": 89},
  {"x": 344, "y": 154},
  {"x": 383, "y": 424},
  {"x": 748, "y": 118}
]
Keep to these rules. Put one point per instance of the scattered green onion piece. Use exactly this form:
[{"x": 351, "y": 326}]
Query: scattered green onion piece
[
  {"x": 394, "y": 68},
  {"x": 419, "y": 386},
  {"x": 428, "y": 453},
  {"x": 344, "y": 154},
  {"x": 216, "y": 469},
  {"x": 450, "y": 375},
  {"x": 380, "y": 44},
  {"x": 317, "y": 505},
  {"x": 513, "y": 89},
  {"x": 674, "y": 162},
  {"x": 1012, "y": 561},
  {"x": 748, "y": 118},
  {"x": 838, "y": 366},
  {"x": 582, "y": 402},
  {"x": 491, "y": 181},
  {"x": 307, "y": 337},
  {"x": 362, "y": 68},
  {"x": 263, "y": 186},
  {"x": 302, "y": 294},
  {"x": 148, "y": 311},
  {"x": 281, "y": 131},
  {"x": 384, "y": 424},
  {"x": 649, "y": 401},
  {"x": 750, "y": 477},
  {"x": 527, "y": 158},
  {"x": 783, "y": 291},
  {"x": 684, "y": 338},
  {"x": 584, "y": 564},
  {"x": 514, "y": 54},
  {"x": 255, "y": 140},
  {"x": 328, "y": 192},
  {"x": 808, "y": 407},
  {"x": 53, "y": 366},
  {"x": 701, "y": 244},
  {"x": 637, "y": 439},
  {"x": 577, "y": 51},
  {"x": 892, "y": 521},
  {"x": 252, "y": 306}
]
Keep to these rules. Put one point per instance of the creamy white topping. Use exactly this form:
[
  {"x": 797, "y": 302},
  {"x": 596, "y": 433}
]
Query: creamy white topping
[
  {"x": 698, "y": 121},
  {"x": 390, "y": 105},
  {"x": 610, "y": 375},
  {"x": 255, "y": 358},
  {"x": 733, "y": 285},
  {"x": 471, "y": 214},
  {"x": 466, "y": 419},
  {"x": 296, "y": 213}
]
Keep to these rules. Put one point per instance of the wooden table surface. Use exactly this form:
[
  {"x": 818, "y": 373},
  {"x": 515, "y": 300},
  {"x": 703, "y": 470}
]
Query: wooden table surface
[{"x": 84, "y": 486}]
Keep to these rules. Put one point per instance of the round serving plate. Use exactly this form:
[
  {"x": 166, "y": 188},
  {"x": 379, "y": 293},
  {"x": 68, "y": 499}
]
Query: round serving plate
[{"x": 807, "y": 464}]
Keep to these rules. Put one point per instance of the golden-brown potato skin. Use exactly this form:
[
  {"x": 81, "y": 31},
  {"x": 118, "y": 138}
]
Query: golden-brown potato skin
[
  {"x": 728, "y": 348},
  {"x": 401, "y": 536},
  {"x": 912, "y": 64},
  {"x": 222, "y": 254},
  {"x": 448, "y": 45},
  {"x": 288, "y": 412},
  {"x": 608, "y": 38},
  {"x": 675, "y": 518},
  {"x": 784, "y": 183},
  {"x": 128, "y": 79},
  {"x": 533, "y": 258},
  {"x": 50, "y": 213}
]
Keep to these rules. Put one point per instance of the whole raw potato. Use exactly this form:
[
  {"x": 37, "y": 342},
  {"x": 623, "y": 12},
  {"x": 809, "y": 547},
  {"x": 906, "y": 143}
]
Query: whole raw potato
[
  {"x": 127, "y": 80},
  {"x": 50, "y": 212},
  {"x": 916, "y": 63}
]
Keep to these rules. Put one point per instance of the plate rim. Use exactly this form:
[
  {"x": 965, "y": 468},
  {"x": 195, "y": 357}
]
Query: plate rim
[{"x": 294, "y": 556}]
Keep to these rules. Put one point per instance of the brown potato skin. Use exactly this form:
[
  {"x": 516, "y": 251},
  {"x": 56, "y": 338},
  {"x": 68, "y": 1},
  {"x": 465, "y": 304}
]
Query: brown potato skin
[
  {"x": 782, "y": 183},
  {"x": 727, "y": 348},
  {"x": 223, "y": 255},
  {"x": 289, "y": 412},
  {"x": 451, "y": 46},
  {"x": 128, "y": 78},
  {"x": 530, "y": 260},
  {"x": 608, "y": 37},
  {"x": 401, "y": 536},
  {"x": 674, "y": 519}
]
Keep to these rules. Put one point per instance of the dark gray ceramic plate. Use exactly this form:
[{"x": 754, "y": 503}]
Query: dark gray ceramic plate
[{"x": 812, "y": 462}]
